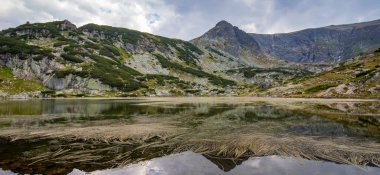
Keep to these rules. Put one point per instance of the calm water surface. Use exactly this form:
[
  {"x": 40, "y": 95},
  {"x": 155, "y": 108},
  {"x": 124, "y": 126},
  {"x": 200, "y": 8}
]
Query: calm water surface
[{"x": 189, "y": 136}]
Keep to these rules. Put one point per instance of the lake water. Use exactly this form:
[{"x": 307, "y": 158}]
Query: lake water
[{"x": 190, "y": 136}]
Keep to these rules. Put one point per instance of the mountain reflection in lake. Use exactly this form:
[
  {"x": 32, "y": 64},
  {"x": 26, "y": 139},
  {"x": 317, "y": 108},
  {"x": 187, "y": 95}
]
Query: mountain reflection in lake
[{"x": 152, "y": 135}]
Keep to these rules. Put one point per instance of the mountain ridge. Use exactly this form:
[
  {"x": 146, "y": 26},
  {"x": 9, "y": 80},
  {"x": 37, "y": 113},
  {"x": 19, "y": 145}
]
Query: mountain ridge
[
  {"x": 230, "y": 39},
  {"x": 60, "y": 59},
  {"x": 329, "y": 44},
  {"x": 96, "y": 59}
]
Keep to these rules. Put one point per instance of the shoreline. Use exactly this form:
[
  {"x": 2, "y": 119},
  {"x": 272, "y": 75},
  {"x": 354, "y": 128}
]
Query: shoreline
[{"x": 207, "y": 98}]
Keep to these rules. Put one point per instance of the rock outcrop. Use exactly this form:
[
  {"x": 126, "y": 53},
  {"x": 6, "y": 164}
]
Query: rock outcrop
[
  {"x": 226, "y": 38},
  {"x": 330, "y": 44}
]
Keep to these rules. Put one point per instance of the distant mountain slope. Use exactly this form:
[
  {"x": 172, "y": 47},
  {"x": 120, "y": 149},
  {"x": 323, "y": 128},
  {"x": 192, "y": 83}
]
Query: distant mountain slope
[
  {"x": 327, "y": 45},
  {"x": 230, "y": 39},
  {"x": 330, "y": 44},
  {"x": 354, "y": 78}
]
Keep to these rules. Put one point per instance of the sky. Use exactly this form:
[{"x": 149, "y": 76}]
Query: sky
[{"x": 188, "y": 19}]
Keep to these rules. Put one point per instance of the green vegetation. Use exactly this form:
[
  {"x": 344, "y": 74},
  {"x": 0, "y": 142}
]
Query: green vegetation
[
  {"x": 127, "y": 35},
  {"x": 361, "y": 74},
  {"x": 108, "y": 72},
  {"x": 212, "y": 78},
  {"x": 48, "y": 93},
  {"x": 12, "y": 85},
  {"x": 114, "y": 74},
  {"x": 64, "y": 41},
  {"x": 62, "y": 73},
  {"x": 59, "y": 44},
  {"x": 62, "y": 38},
  {"x": 18, "y": 47},
  {"x": 251, "y": 72},
  {"x": 185, "y": 53},
  {"x": 192, "y": 48},
  {"x": 184, "y": 49},
  {"x": 109, "y": 51},
  {"x": 215, "y": 51},
  {"x": 123, "y": 54},
  {"x": 90, "y": 45},
  {"x": 164, "y": 80},
  {"x": 186, "y": 56},
  {"x": 112, "y": 49},
  {"x": 73, "y": 49},
  {"x": 71, "y": 58},
  {"x": 38, "y": 58},
  {"x": 49, "y": 29},
  {"x": 357, "y": 77},
  {"x": 75, "y": 33},
  {"x": 192, "y": 91},
  {"x": 320, "y": 87},
  {"x": 189, "y": 47},
  {"x": 106, "y": 53}
]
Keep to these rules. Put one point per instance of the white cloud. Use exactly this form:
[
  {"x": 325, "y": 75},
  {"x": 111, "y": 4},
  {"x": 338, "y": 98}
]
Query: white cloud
[
  {"x": 250, "y": 27},
  {"x": 143, "y": 15},
  {"x": 188, "y": 19}
]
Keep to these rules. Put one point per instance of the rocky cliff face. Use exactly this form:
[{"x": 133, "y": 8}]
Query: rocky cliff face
[
  {"x": 230, "y": 39},
  {"x": 226, "y": 38},
  {"x": 43, "y": 71},
  {"x": 96, "y": 59},
  {"x": 330, "y": 44},
  {"x": 326, "y": 45}
]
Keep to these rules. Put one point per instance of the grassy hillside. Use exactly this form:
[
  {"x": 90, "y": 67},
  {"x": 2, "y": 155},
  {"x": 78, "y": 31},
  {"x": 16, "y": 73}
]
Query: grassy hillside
[
  {"x": 97, "y": 52},
  {"x": 355, "y": 78},
  {"x": 11, "y": 85}
]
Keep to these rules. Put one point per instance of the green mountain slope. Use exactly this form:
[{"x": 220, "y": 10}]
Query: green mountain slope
[
  {"x": 11, "y": 85},
  {"x": 99, "y": 60},
  {"x": 58, "y": 59},
  {"x": 355, "y": 78}
]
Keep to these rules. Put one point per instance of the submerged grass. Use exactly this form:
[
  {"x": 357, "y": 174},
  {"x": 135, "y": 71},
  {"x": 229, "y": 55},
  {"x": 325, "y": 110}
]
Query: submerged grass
[
  {"x": 119, "y": 146},
  {"x": 235, "y": 132}
]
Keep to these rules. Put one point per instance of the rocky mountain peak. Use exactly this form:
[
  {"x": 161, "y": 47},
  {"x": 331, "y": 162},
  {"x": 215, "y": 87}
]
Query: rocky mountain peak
[
  {"x": 232, "y": 40},
  {"x": 221, "y": 29},
  {"x": 223, "y": 24},
  {"x": 67, "y": 25}
]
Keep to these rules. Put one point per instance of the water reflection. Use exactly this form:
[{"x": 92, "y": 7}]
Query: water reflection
[
  {"x": 195, "y": 164},
  {"x": 58, "y": 135},
  {"x": 191, "y": 163}
]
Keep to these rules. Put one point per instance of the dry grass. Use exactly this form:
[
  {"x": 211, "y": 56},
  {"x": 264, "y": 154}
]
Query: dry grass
[
  {"x": 101, "y": 133},
  {"x": 118, "y": 144},
  {"x": 105, "y": 145}
]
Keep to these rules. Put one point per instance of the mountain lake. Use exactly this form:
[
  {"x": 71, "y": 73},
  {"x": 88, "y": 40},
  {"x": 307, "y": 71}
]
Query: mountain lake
[{"x": 190, "y": 135}]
